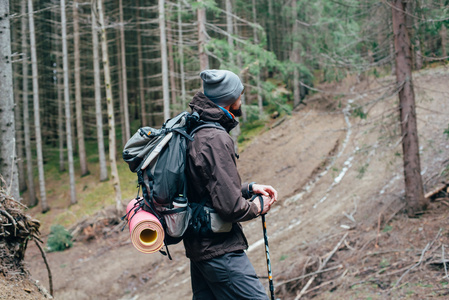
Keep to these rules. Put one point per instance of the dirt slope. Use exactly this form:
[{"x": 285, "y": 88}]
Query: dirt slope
[{"x": 336, "y": 173}]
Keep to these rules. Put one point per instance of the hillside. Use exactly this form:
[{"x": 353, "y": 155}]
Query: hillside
[{"x": 337, "y": 164}]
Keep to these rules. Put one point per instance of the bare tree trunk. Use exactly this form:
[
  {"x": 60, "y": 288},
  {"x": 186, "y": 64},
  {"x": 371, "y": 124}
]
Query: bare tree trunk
[
  {"x": 32, "y": 201},
  {"x": 36, "y": 108},
  {"x": 414, "y": 195},
  {"x": 204, "y": 59},
  {"x": 143, "y": 110},
  {"x": 121, "y": 118},
  {"x": 110, "y": 104},
  {"x": 65, "y": 63},
  {"x": 229, "y": 29},
  {"x": 124, "y": 77},
  {"x": 98, "y": 110},
  {"x": 181, "y": 57},
  {"x": 271, "y": 25},
  {"x": 256, "y": 41},
  {"x": 163, "y": 40},
  {"x": 8, "y": 158},
  {"x": 418, "y": 55},
  {"x": 61, "y": 135},
  {"x": 242, "y": 77},
  {"x": 295, "y": 57},
  {"x": 78, "y": 103},
  {"x": 393, "y": 57},
  {"x": 171, "y": 63},
  {"x": 443, "y": 34},
  {"x": 18, "y": 119},
  {"x": 413, "y": 27}
]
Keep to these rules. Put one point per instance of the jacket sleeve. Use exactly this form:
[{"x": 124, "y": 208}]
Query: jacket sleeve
[{"x": 224, "y": 183}]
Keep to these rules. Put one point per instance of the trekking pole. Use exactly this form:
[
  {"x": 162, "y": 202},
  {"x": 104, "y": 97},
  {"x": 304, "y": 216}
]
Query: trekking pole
[{"x": 267, "y": 254}]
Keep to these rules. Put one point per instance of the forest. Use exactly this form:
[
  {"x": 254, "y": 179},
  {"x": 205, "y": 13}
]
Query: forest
[
  {"x": 79, "y": 78},
  {"x": 90, "y": 67}
]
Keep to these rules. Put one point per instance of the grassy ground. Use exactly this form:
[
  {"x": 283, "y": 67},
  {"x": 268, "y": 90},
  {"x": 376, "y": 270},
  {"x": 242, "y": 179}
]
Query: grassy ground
[{"x": 92, "y": 195}]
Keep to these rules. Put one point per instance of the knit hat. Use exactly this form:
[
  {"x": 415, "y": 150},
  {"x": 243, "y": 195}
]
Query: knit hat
[{"x": 221, "y": 86}]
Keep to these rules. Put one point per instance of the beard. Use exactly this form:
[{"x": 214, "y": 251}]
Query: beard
[{"x": 236, "y": 112}]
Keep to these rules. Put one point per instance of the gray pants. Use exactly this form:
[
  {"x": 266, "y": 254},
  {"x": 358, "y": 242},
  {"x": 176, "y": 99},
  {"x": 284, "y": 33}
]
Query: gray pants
[{"x": 230, "y": 276}]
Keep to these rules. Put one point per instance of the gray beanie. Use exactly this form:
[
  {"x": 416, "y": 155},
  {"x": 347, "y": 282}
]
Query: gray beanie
[{"x": 221, "y": 86}]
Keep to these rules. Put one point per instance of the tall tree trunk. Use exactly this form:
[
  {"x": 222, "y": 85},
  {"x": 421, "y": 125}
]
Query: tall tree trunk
[
  {"x": 181, "y": 57},
  {"x": 65, "y": 63},
  {"x": 294, "y": 56},
  {"x": 8, "y": 159},
  {"x": 270, "y": 26},
  {"x": 110, "y": 104},
  {"x": 392, "y": 56},
  {"x": 256, "y": 41},
  {"x": 171, "y": 63},
  {"x": 18, "y": 119},
  {"x": 204, "y": 59},
  {"x": 143, "y": 111},
  {"x": 229, "y": 29},
  {"x": 121, "y": 118},
  {"x": 163, "y": 40},
  {"x": 414, "y": 195},
  {"x": 124, "y": 77},
  {"x": 61, "y": 135},
  {"x": 36, "y": 108},
  {"x": 98, "y": 110},
  {"x": 32, "y": 200},
  {"x": 78, "y": 103},
  {"x": 242, "y": 76},
  {"x": 443, "y": 34},
  {"x": 59, "y": 85},
  {"x": 418, "y": 55}
]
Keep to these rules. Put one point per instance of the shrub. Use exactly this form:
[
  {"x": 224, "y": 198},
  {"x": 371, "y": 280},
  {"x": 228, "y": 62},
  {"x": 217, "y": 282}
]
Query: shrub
[{"x": 59, "y": 239}]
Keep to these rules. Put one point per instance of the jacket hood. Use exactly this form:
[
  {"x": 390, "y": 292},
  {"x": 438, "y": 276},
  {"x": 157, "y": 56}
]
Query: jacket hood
[{"x": 211, "y": 112}]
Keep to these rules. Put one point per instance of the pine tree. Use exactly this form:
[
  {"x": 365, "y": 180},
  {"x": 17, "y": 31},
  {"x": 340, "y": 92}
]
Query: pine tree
[
  {"x": 36, "y": 108},
  {"x": 414, "y": 195},
  {"x": 124, "y": 81},
  {"x": 32, "y": 200},
  {"x": 78, "y": 102},
  {"x": 97, "y": 88},
  {"x": 65, "y": 62},
  {"x": 110, "y": 105},
  {"x": 8, "y": 158},
  {"x": 163, "y": 40}
]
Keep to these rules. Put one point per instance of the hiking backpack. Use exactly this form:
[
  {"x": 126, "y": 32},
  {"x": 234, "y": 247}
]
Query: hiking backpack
[{"x": 158, "y": 156}]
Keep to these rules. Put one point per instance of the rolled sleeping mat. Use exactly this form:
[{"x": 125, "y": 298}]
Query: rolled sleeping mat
[{"x": 147, "y": 233}]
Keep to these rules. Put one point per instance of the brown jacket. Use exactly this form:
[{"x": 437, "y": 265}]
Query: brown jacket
[{"x": 212, "y": 172}]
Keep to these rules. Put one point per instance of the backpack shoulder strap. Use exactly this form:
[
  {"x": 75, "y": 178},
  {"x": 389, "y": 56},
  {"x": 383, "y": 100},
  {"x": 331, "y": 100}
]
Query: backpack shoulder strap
[{"x": 207, "y": 125}]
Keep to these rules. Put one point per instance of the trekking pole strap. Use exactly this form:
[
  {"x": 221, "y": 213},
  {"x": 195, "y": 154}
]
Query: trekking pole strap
[{"x": 261, "y": 202}]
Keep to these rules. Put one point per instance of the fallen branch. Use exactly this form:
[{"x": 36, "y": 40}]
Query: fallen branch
[
  {"x": 435, "y": 191},
  {"x": 304, "y": 289},
  {"x": 307, "y": 275},
  {"x": 444, "y": 262},
  {"x": 326, "y": 283},
  {"x": 378, "y": 231},
  {"x": 50, "y": 280},
  {"x": 13, "y": 221},
  {"x": 428, "y": 246}
]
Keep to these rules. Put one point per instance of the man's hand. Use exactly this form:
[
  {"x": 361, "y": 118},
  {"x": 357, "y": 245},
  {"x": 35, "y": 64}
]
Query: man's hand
[
  {"x": 266, "y": 190},
  {"x": 266, "y": 204}
]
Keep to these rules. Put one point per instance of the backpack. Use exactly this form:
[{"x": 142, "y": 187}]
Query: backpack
[{"x": 158, "y": 156}]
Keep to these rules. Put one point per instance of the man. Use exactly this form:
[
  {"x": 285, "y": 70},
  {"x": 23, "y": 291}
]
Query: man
[{"x": 219, "y": 267}]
